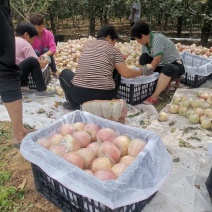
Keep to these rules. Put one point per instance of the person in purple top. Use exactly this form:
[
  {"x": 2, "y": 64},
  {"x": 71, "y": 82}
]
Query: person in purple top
[
  {"x": 10, "y": 84},
  {"x": 44, "y": 43}
]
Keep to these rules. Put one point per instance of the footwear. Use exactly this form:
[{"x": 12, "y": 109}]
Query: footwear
[
  {"x": 17, "y": 145},
  {"x": 45, "y": 93},
  {"x": 150, "y": 101},
  {"x": 69, "y": 106},
  {"x": 29, "y": 130}
]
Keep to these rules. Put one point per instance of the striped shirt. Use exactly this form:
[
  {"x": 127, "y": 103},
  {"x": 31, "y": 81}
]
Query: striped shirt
[
  {"x": 161, "y": 45},
  {"x": 96, "y": 65}
]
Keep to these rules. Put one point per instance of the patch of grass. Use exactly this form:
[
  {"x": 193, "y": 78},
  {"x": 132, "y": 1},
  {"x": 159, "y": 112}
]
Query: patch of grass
[
  {"x": 8, "y": 195},
  {"x": 5, "y": 134},
  {"x": 4, "y": 177},
  {"x": 3, "y": 150}
]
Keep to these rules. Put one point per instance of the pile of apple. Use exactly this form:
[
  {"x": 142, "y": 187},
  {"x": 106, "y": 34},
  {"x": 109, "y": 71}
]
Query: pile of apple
[
  {"x": 100, "y": 152},
  {"x": 68, "y": 53},
  {"x": 197, "y": 50},
  {"x": 131, "y": 52},
  {"x": 197, "y": 110}
]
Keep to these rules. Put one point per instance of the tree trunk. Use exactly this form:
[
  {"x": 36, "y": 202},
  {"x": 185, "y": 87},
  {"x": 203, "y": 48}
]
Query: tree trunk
[
  {"x": 92, "y": 26},
  {"x": 205, "y": 32},
  {"x": 179, "y": 25},
  {"x": 191, "y": 26},
  {"x": 166, "y": 23},
  {"x": 163, "y": 21},
  {"x": 101, "y": 21},
  {"x": 105, "y": 17},
  {"x": 52, "y": 22},
  {"x": 92, "y": 20}
]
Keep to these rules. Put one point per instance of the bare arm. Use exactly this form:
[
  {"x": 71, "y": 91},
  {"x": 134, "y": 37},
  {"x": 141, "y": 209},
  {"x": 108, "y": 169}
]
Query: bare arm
[
  {"x": 149, "y": 68},
  {"x": 49, "y": 53},
  {"x": 156, "y": 61},
  {"x": 42, "y": 62},
  {"x": 127, "y": 72}
]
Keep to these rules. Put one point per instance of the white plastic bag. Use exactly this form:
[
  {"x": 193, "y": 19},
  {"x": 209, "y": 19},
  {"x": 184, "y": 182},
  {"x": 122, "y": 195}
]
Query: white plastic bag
[
  {"x": 196, "y": 65},
  {"x": 141, "y": 179},
  {"x": 140, "y": 80}
]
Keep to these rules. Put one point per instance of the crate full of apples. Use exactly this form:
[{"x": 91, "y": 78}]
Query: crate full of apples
[{"x": 105, "y": 161}]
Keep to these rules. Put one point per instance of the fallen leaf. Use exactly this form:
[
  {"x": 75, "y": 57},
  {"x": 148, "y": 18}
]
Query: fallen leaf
[
  {"x": 176, "y": 160},
  {"x": 173, "y": 130},
  {"x": 22, "y": 185}
]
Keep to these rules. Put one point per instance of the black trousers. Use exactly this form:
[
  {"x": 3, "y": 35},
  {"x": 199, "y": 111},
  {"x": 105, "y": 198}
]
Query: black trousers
[
  {"x": 209, "y": 184},
  {"x": 173, "y": 70},
  {"x": 79, "y": 95},
  {"x": 10, "y": 84},
  {"x": 52, "y": 64},
  {"x": 32, "y": 66}
]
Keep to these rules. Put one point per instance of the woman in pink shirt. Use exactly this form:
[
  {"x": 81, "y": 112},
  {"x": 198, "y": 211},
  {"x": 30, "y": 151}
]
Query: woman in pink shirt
[
  {"x": 28, "y": 61},
  {"x": 44, "y": 43}
]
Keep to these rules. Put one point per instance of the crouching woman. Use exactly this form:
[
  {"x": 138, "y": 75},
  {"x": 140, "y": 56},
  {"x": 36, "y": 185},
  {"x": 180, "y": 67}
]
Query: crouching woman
[
  {"x": 158, "y": 54},
  {"x": 99, "y": 71}
]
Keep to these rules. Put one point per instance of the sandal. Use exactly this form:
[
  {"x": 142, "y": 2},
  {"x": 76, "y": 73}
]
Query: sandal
[
  {"x": 150, "y": 101},
  {"x": 17, "y": 145}
]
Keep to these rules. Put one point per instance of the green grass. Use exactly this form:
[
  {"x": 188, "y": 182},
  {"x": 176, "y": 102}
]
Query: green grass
[
  {"x": 5, "y": 131},
  {"x": 5, "y": 134},
  {"x": 8, "y": 194}
]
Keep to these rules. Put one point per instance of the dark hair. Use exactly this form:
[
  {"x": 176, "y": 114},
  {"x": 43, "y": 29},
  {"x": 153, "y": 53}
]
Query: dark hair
[
  {"x": 139, "y": 28},
  {"x": 108, "y": 30},
  {"x": 26, "y": 27},
  {"x": 36, "y": 19}
]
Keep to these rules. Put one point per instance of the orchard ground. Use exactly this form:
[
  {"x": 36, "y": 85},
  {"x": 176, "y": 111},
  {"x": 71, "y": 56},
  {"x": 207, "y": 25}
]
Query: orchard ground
[{"x": 19, "y": 170}]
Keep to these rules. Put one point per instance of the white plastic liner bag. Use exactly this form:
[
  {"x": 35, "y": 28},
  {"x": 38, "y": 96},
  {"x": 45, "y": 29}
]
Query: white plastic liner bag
[
  {"x": 141, "y": 179},
  {"x": 140, "y": 80},
  {"x": 196, "y": 65}
]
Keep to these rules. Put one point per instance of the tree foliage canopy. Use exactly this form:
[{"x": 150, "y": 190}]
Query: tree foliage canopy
[{"x": 161, "y": 15}]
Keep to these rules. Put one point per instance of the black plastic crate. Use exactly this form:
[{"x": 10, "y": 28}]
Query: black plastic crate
[
  {"x": 209, "y": 184},
  {"x": 197, "y": 69},
  {"x": 193, "y": 80},
  {"x": 46, "y": 76},
  {"x": 69, "y": 201},
  {"x": 210, "y": 77},
  {"x": 136, "y": 93}
]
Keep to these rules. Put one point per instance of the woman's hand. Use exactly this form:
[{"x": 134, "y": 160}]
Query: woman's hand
[{"x": 43, "y": 62}]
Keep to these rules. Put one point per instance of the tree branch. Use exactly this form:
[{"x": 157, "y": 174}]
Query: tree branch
[
  {"x": 18, "y": 11},
  {"x": 31, "y": 6}
]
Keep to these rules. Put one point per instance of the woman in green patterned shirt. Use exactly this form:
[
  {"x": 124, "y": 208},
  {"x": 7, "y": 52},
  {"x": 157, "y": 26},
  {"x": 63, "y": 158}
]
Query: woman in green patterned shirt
[{"x": 158, "y": 54}]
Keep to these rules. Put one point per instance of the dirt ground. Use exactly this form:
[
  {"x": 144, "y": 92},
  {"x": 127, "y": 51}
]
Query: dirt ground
[
  {"x": 21, "y": 172},
  {"x": 21, "y": 176}
]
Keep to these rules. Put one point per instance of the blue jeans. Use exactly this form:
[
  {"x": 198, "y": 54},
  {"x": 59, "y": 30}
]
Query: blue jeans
[{"x": 52, "y": 64}]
